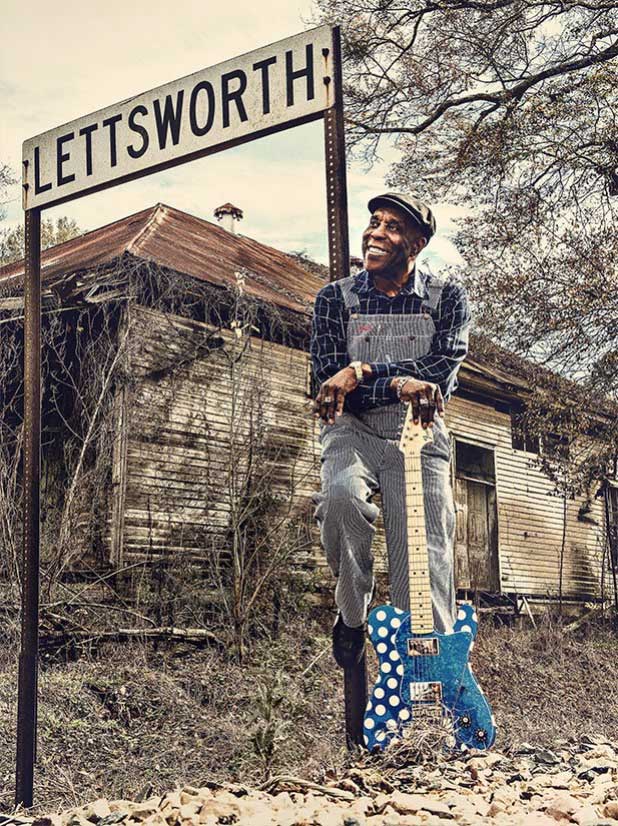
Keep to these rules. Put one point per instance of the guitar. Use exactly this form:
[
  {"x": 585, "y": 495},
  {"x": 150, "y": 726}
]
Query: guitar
[{"x": 423, "y": 674}]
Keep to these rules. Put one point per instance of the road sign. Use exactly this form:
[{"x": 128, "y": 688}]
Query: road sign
[
  {"x": 272, "y": 88},
  {"x": 276, "y": 87}
]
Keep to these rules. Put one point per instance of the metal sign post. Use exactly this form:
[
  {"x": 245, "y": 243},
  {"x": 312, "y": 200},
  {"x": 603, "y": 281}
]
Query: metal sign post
[
  {"x": 355, "y": 678},
  {"x": 28, "y": 657},
  {"x": 276, "y": 87}
]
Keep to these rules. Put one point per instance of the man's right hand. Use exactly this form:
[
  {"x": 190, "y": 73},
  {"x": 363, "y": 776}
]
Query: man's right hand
[
  {"x": 425, "y": 397},
  {"x": 331, "y": 396}
]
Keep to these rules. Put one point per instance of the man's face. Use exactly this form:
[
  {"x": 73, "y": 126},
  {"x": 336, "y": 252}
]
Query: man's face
[{"x": 389, "y": 241}]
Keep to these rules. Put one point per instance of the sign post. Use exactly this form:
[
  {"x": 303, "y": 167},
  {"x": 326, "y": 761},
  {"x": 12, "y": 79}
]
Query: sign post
[{"x": 276, "y": 87}]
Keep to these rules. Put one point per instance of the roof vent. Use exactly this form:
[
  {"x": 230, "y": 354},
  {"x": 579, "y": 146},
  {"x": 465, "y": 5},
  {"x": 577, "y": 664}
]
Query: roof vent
[
  {"x": 228, "y": 216},
  {"x": 356, "y": 264}
]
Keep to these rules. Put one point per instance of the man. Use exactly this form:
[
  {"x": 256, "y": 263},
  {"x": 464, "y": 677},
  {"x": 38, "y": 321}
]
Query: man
[{"x": 392, "y": 334}]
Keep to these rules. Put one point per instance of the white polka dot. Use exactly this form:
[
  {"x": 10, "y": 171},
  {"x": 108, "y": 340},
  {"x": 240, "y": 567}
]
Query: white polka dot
[
  {"x": 448, "y": 631},
  {"x": 381, "y": 615},
  {"x": 370, "y": 629},
  {"x": 366, "y": 739},
  {"x": 398, "y": 611},
  {"x": 382, "y": 631},
  {"x": 395, "y": 623},
  {"x": 385, "y": 667},
  {"x": 381, "y": 647},
  {"x": 466, "y": 628},
  {"x": 380, "y": 710},
  {"x": 368, "y": 707},
  {"x": 391, "y": 725},
  {"x": 463, "y": 747},
  {"x": 475, "y": 616},
  {"x": 471, "y": 645},
  {"x": 369, "y": 723},
  {"x": 380, "y": 736},
  {"x": 400, "y": 669},
  {"x": 394, "y": 700},
  {"x": 461, "y": 614},
  {"x": 394, "y": 655},
  {"x": 379, "y": 693},
  {"x": 404, "y": 714},
  {"x": 392, "y": 682}
]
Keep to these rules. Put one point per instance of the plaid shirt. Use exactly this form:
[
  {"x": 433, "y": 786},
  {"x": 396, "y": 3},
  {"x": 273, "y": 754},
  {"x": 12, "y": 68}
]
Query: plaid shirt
[{"x": 449, "y": 347}]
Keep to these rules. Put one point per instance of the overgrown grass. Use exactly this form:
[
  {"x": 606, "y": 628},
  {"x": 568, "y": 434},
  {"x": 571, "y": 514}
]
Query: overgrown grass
[{"x": 131, "y": 721}]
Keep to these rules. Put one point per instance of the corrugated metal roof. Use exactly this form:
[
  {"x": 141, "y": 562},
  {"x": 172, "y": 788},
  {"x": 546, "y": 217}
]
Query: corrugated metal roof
[{"x": 186, "y": 244}]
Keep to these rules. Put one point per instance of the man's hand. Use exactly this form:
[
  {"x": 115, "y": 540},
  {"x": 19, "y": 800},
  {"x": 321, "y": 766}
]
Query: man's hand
[
  {"x": 331, "y": 396},
  {"x": 426, "y": 399}
]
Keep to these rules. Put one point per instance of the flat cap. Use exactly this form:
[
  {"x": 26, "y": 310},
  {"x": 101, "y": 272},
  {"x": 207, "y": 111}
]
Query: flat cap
[{"x": 413, "y": 206}]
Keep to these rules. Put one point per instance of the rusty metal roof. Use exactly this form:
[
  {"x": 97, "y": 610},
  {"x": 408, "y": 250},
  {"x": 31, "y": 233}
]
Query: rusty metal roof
[{"x": 186, "y": 244}]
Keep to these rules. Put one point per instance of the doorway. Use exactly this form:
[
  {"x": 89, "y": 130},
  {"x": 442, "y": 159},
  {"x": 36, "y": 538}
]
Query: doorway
[{"x": 476, "y": 537}]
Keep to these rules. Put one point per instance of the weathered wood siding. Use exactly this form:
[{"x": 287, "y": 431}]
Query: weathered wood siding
[
  {"x": 190, "y": 415},
  {"x": 530, "y": 515},
  {"x": 188, "y": 428}
]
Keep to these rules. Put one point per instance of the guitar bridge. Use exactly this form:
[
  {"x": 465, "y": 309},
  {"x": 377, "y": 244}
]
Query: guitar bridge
[{"x": 423, "y": 646}]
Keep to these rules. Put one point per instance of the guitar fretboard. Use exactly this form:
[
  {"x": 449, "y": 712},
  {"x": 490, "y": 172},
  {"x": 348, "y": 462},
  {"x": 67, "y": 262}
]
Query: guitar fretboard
[{"x": 418, "y": 559}]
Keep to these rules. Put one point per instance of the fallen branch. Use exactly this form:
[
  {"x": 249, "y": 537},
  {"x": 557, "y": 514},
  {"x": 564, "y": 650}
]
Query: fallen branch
[
  {"x": 299, "y": 783},
  {"x": 196, "y": 636}
]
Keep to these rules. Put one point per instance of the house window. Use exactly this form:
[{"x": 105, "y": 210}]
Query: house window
[
  {"x": 521, "y": 437},
  {"x": 555, "y": 447}
]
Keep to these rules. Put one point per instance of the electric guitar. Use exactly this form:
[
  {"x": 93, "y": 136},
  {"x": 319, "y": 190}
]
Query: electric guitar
[{"x": 423, "y": 674}]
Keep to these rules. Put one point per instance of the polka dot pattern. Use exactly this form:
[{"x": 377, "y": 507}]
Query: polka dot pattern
[{"x": 388, "y": 709}]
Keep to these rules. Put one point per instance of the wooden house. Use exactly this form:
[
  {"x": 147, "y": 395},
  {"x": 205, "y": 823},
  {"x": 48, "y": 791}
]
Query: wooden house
[{"x": 182, "y": 425}]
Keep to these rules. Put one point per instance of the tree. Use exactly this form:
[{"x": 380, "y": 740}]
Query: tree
[
  {"x": 507, "y": 107},
  {"x": 6, "y": 180},
  {"x": 52, "y": 233}
]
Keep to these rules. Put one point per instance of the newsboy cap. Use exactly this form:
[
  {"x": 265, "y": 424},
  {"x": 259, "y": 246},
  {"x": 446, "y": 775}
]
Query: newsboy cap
[{"x": 413, "y": 206}]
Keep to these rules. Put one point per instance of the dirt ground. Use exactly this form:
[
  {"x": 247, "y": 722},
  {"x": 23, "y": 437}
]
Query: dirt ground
[{"x": 130, "y": 721}]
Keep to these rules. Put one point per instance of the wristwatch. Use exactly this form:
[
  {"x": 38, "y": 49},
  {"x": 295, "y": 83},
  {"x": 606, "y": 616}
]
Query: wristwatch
[{"x": 357, "y": 366}]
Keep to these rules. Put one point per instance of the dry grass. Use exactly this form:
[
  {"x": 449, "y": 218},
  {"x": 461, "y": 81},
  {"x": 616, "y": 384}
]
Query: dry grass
[{"x": 132, "y": 721}]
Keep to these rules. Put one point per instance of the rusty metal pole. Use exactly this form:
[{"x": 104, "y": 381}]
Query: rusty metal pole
[
  {"x": 354, "y": 679},
  {"x": 28, "y": 656}
]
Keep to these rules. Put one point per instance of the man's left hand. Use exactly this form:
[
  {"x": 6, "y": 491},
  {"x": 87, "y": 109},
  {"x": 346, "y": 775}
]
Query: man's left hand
[{"x": 331, "y": 396}]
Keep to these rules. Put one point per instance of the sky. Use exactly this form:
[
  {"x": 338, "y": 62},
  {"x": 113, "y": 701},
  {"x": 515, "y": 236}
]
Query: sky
[{"x": 61, "y": 61}]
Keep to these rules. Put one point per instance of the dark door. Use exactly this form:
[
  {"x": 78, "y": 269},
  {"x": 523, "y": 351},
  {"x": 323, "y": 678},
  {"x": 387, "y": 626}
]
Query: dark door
[{"x": 476, "y": 543}]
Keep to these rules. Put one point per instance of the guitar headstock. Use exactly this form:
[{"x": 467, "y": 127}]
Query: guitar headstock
[{"x": 413, "y": 436}]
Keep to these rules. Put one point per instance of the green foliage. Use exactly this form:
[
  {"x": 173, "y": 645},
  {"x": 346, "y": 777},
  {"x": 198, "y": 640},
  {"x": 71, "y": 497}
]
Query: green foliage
[{"x": 52, "y": 233}]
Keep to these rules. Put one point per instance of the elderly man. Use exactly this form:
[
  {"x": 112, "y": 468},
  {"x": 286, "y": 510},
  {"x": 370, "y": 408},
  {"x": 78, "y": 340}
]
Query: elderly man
[{"x": 391, "y": 334}]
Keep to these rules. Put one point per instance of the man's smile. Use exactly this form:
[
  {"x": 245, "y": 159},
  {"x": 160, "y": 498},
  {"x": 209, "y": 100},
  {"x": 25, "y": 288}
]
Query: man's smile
[{"x": 376, "y": 251}]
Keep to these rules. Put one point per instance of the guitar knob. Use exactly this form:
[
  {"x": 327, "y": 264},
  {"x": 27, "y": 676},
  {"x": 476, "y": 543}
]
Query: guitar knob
[
  {"x": 481, "y": 734},
  {"x": 464, "y": 721}
]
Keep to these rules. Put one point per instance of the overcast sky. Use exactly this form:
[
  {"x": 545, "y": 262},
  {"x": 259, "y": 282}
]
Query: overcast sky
[{"x": 59, "y": 61}]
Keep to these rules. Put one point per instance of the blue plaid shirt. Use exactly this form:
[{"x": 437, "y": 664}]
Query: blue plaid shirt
[{"x": 329, "y": 352}]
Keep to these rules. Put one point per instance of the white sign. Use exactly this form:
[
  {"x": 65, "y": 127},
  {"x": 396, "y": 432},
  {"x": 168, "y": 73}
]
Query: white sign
[{"x": 272, "y": 88}]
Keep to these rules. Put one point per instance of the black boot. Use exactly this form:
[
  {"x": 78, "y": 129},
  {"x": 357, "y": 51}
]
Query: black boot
[{"x": 348, "y": 643}]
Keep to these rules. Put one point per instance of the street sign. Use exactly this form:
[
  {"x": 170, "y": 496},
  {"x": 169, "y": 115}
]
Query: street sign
[{"x": 275, "y": 87}]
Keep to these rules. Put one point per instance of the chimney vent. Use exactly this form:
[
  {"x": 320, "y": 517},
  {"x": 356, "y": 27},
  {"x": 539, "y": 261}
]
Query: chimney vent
[{"x": 228, "y": 216}]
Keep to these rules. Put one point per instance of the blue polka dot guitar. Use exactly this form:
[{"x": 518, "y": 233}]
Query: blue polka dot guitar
[{"x": 423, "y": 674}]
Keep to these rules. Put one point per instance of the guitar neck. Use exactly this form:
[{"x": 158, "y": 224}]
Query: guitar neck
[{"x": 418, "y": 557}]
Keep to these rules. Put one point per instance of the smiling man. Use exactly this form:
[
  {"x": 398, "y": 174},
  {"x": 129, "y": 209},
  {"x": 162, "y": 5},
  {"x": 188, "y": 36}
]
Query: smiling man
[{"x": 392, "y": 334}]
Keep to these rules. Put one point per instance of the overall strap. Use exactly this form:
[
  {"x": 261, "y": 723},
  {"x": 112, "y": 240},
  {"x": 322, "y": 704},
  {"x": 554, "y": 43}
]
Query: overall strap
[
  {"x": 351, "y": 300},
  {"x": 433, "y": 291}
]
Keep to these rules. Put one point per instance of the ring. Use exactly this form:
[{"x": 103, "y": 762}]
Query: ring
[
  {"x": 328, "y": 400},
  {"x": 424, "y": 401}
]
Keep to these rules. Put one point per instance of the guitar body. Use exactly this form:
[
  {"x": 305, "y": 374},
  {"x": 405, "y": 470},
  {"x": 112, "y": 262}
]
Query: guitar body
[{"x": 425, "y": 676}]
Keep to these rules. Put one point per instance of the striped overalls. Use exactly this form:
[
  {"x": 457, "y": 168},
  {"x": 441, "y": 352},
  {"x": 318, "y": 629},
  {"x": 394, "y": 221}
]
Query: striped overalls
[{"x": 360, "y": 455}]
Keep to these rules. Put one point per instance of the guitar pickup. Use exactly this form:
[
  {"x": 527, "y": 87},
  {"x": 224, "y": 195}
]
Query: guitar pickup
[
  {"x": 423, "y": 646},
  {"x": 426, "y": 692}
]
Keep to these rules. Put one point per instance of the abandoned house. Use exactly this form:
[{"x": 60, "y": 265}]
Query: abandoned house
[{"x": 208, "y": 398}]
